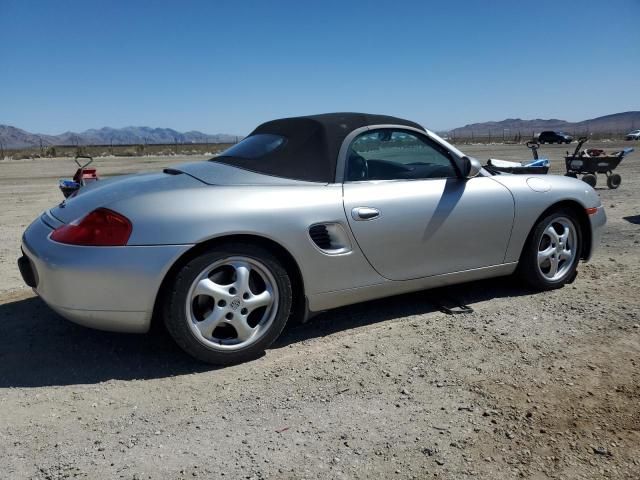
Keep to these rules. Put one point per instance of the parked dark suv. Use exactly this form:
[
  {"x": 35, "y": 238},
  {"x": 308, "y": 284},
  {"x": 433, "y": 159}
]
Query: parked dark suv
[{"x": 554, "y": 137}]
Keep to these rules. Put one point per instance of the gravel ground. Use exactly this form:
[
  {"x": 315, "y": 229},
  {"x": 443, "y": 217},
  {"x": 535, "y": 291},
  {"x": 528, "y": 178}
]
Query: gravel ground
[{"x": 530, "y": 385}]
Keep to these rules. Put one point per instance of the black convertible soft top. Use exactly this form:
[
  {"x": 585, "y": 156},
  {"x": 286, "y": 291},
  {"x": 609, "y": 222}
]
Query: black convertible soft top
[{"x": 301, "y": 148}]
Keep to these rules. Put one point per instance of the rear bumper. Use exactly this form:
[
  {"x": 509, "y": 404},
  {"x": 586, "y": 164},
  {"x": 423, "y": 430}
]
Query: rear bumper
[
  {"x": 598, "y": 220},
  {"x": 108, "y": 288}
]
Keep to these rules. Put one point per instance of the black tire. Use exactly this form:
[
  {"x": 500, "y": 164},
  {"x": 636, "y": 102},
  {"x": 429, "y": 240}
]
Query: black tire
[
  {"x": 176, "y": 317},
  {"x": 613, "y": 181},
  {"x": 590, "y": 179},
  {"x": 527, "y": 266}
]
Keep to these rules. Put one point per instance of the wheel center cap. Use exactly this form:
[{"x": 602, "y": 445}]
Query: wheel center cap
[{"x": 235, "y": 303}]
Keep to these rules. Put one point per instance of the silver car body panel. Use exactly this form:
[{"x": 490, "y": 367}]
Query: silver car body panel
[
  {"x": 119, "y": 189},
  {"x": 531, "y": 203},
  {"x": 213, "y": 173},
  {"x": 429, "y": 233},
  {"x": 339, "y": 298},
  {"x": 431, "y": 227},
  {"x": 111, "y": 288}
]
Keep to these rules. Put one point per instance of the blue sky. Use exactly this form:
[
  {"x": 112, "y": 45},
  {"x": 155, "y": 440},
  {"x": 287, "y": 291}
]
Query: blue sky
[{"x": 225, "y": 66}]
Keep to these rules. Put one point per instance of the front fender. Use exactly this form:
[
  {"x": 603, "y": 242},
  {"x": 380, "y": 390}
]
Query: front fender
[{"x": 533, "y": 198}]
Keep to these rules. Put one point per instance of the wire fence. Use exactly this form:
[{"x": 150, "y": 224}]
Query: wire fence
[
  {"x": 510, "y": 136},
  {"x": 128, "y": 150},
  {"x": 505, "y": 136}
]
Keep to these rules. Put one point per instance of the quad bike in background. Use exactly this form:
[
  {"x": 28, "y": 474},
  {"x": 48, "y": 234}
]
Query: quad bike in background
[
  {"x": 83, "y": 176},
  {"x": 590, "y": 162}
]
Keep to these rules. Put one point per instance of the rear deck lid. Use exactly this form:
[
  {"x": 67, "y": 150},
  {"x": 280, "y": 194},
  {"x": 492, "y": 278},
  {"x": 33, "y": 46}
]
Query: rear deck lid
[
  {"x": 104, "y": 192},
  {"x": 213, "y": 173}
]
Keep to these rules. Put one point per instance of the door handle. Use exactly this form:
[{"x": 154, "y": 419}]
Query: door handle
[{"x": 365, "y": 213}]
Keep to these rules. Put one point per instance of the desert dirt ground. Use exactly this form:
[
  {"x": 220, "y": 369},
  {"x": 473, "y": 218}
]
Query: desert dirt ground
[{"x": 530, "y": 385}]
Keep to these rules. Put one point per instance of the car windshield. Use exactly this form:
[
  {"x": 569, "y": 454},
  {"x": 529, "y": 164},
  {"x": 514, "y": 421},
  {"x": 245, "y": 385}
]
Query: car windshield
[{"x": 255, "y": 146}]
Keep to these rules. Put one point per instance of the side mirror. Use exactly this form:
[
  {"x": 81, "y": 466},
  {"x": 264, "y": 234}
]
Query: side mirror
[{"x": 470, "y": 167}]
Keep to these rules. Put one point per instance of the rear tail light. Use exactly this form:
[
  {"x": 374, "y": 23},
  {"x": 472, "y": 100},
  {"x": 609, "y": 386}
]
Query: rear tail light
[{"x": 100, "y": 228}]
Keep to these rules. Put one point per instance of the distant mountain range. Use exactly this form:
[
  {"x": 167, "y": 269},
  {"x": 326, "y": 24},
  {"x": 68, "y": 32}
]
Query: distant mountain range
[
  {"x": 615, "y": 123},
  {"x": 12, "y": 137}
]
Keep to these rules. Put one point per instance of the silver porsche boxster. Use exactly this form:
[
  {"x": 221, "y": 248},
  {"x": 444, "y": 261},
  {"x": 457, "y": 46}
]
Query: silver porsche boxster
[{"x": 304, "y": 215}]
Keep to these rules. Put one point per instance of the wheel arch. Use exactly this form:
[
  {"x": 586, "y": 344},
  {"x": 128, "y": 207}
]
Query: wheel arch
[
  {"x": 299, "y": 303},
  {"x": 581, "y": 216}
]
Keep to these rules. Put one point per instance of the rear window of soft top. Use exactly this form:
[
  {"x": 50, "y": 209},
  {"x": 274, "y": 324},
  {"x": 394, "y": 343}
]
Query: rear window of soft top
[{"x": 255, "y": 146}]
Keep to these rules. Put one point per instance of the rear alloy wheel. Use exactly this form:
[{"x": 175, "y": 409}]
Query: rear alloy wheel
[
  {"x": 229, "y": 305},
  {"x": 550, "y": 257},
  {"x": 613, "y": 181}
]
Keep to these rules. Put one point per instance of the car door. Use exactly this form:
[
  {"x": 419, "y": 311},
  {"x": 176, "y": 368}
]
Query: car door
[{"x": 413, "y": 215}]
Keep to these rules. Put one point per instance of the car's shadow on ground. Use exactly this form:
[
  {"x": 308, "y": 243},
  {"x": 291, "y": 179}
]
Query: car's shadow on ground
[
  {"x": 39, "y": 348},
  {"x": 417, "y": 303}
]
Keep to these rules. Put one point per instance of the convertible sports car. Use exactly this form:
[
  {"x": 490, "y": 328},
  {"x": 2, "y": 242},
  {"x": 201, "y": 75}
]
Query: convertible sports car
[{"x": 304, "y": 215}]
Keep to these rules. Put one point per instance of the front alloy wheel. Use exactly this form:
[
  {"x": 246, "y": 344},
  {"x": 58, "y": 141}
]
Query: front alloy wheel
[
  {"x": 550, "y": 257},
  {"x": 557, "y": 249}
]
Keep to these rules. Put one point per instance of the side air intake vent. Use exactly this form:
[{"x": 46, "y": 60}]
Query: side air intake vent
[
  {"x": 330, "y": 238},
  {"x": 320, "y": 236}
]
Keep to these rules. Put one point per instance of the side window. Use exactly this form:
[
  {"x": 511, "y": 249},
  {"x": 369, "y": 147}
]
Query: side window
[{"x": 389, "y": 154}]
